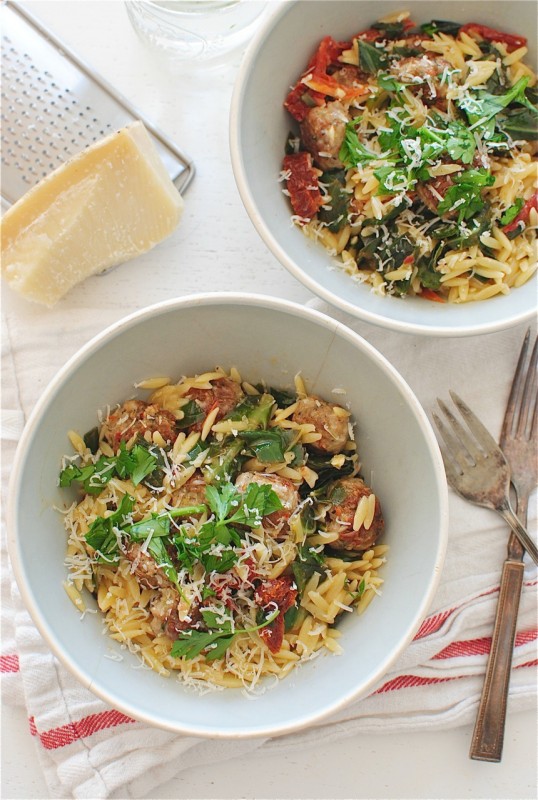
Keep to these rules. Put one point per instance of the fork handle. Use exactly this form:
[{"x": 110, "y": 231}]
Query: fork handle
[
  {"x": 488, "y": 734},
  {"x": 506, "y": 511}
]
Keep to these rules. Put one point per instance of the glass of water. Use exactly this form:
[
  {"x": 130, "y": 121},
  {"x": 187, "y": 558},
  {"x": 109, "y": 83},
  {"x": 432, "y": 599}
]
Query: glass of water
[{"x": 198, "y": 30}]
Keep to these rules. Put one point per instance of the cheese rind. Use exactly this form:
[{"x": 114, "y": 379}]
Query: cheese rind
[{"x": 106, "y": 205}]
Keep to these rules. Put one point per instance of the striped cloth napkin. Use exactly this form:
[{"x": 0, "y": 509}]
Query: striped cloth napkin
[{"x": 89, "y": 750}]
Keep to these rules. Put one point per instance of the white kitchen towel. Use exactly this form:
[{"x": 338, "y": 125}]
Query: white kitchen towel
[{"x": 89, "y": 750}]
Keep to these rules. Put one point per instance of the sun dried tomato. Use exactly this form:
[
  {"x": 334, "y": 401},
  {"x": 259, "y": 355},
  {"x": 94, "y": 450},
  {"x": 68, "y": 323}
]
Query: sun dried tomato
[
  {"x": 429, "y": 294},
  {"x": 273, "y": 634},
  {"x": 328, "y": 52},
  {"x": 302, "y": 185},
  {"x": 279, "y": 592},
  {"x": 523, "y": 215},
  {"x": 295, "y": 101},
  {"x": 491, "y": 35}
]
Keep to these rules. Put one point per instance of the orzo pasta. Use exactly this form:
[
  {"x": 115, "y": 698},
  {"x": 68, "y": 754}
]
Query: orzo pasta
[
  {"x": 414, "y": 159},
  {"x": 223, "y": 527}
]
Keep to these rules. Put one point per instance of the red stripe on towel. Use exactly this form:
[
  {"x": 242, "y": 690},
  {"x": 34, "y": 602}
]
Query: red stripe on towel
[
  {"x": 482, "y": 646},
  {"x": 533, "y": 663},
  {"x": 435, "y": 622},
  {"x": 67, "y": 734},
  {"x": 411, "y": 681},
  {"x": 9, "y": 663}
]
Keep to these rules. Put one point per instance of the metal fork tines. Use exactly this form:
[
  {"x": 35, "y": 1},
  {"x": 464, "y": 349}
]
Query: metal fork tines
[
  {"x": 476, "y": 467},
  {"x": 519, "y": 442}
]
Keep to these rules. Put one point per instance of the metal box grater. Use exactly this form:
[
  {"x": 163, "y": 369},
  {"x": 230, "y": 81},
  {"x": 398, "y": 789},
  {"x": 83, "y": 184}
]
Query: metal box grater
[{"x": 53, "y": 105}]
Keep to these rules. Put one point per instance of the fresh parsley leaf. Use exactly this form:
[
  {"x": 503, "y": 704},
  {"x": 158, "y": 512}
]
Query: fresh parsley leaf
[
  {"x": 393, "y": 180},
  {"x": 217, "y": 620},
  {"x": 220, "y": 646},
  {"x": 136, "y": 463},
  {"x": 481, "y": 106},
  {"x": 93, "y": 477},
  {"x": 258, "y": 501},
  {"x": 353, "y": 152},
  {"x": 192, "y": 643},
  {"x": 221, "y": 499},
  {"x": 221, "y": 562},
  {"x": 157, "y": 549},
  {"x": 102, "y": 536},
  {"x": 460, "y": 142},
  {"x": 389, "y": 83},
  {"x": 465, "y": 194}
]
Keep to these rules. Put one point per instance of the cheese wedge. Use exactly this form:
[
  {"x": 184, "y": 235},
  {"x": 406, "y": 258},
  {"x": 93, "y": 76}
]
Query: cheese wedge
[{"x": 106, "y": 205}]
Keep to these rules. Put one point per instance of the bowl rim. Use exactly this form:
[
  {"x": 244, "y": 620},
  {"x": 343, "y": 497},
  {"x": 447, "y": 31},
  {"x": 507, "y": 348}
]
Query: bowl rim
[
  {"x": 240, "y": 175},
  {"x": 301, "y": 719}
]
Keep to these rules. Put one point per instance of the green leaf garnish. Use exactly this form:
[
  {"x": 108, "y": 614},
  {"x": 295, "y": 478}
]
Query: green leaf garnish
[
  {"x": 465, "y": 194},
  {"x": 441, "y": 26},
  {"x": 136, "y": 463},
  {"x": 92, "y": 477},
  {"x": 192, "y": 413},
  {"x": 371, "y": 59},
  {"x": 353, "y": 152},
  {"x": 104, "y": 532},
  {"x": 511, "y": 213},
  {"x": 335, "y": 217},
  {"x": 192, "y": 643}
]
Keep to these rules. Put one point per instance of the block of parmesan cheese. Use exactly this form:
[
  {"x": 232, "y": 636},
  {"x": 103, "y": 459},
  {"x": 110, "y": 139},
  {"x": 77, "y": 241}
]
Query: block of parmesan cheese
[{"x": 111, "y": 202}]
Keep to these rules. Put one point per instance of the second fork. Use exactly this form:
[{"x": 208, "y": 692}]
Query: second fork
[{"x": 476, "y": 467}]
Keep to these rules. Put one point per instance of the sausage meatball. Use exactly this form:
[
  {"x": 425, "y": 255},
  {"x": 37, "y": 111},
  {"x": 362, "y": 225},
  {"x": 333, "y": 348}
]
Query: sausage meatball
[
  {"x": 192, "y": 493},
  {"x": 224, "y": 393},
  {"x": 322, "y": 133},
  {"x": 275, "y": 524},
  {"x": 329, "y": 420},
  {"x": 165, "y": 608},
  {"x": 137, "y": 418},
  {"x": 425, "y": 73},
  {"x": 432, "y": 192},
  {"x": 145, "y": 568},
  {"x": 347, "y": 494}
]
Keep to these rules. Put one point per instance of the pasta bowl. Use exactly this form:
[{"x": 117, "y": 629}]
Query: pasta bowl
[
  {"x": 267, "y": 340},
  {"x": 260, "y": 127}
]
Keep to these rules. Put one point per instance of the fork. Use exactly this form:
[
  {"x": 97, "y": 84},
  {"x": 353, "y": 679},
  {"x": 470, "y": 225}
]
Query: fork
[
  {"x": 476, "y": 467},
  {"x": 518, "y": 441}
]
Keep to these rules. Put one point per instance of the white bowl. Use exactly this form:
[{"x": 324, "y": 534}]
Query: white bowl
[
  {"x": 266, "y": 339},
  {"x": 259, "y": 126}
]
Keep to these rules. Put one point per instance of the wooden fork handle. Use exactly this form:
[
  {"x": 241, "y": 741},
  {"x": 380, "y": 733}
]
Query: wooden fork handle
[{"x": 488, "y": 734}]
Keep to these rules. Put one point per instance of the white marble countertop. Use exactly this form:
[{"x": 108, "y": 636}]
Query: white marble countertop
[{"x": 217, "y": 248}]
